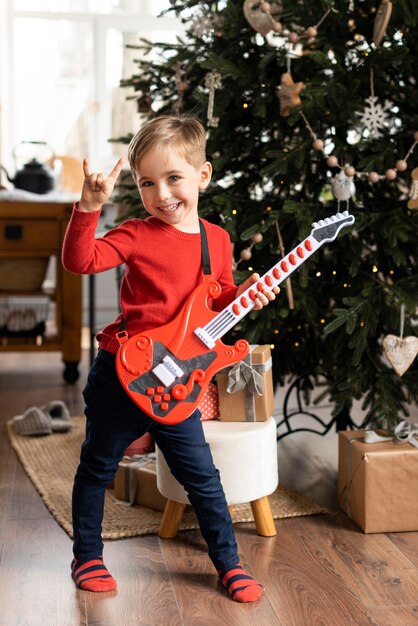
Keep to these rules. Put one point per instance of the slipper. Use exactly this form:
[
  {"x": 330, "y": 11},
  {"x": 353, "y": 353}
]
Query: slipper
[
  {"x": 32, "y": 422},
  {"x": 59, "y": 416}
]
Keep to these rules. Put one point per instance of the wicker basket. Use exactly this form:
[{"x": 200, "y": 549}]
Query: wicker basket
[
  {"x": 23, "y": 316},
  {"x": 22, "y": 274}
]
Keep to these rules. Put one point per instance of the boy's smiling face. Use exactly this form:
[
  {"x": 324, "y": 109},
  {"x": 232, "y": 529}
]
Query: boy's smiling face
[{"x": 169, "y": 187}]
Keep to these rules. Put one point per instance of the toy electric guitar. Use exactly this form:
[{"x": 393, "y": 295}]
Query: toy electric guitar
[{"x": 166, "y": 371}]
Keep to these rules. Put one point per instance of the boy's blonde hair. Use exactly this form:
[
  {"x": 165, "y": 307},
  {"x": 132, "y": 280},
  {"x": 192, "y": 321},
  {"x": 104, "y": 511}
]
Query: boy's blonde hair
[{"x": 183, "y": 133}]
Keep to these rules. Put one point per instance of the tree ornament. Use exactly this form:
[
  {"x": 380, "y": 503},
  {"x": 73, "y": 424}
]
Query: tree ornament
[
  {"x": 413, "y": 193},
  {"x": 391, "y": 174},
  {"x": 246, "y": 254},
  {"x": 182, "y": 85},
  {"x": 260, "y": 20},
  {"x": 342, "y": 187},
  {"x": 143, "y": 103},
  {"x": 400, "y": 352},
  {"x": 212, "y": 82},
  {"x": 261, "y": 16},
  {"x": 257, "y": 238},
  {"x": 204, "y": 24},
  {"x": 381, "y": 21},
  {"x": 375, "y": 116},
  {"x": 288, "y": 94},
  {"x": 372, "y": 177}
]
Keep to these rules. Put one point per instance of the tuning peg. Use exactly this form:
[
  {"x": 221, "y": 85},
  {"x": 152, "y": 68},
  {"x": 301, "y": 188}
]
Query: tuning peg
[
  {"x": 339, "y": 216},
  {"x": 327, "y": 220},
  {"x": 345, "y": 214},
  {"x": 315, "y": 224},
  {"x": 333, "y": 218}
]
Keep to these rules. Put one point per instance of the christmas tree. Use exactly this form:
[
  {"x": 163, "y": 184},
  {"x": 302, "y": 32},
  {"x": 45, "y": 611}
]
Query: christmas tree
[{"x": 310, "y": 107}]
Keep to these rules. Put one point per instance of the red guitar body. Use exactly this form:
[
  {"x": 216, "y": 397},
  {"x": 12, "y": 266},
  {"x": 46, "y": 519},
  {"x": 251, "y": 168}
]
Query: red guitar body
[{"x": 166, "y": 371}]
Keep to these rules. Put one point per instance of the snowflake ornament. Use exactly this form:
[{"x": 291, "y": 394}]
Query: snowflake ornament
[
  {"x": 205, "y": 24},
  {"x": 375, "y": 116}
]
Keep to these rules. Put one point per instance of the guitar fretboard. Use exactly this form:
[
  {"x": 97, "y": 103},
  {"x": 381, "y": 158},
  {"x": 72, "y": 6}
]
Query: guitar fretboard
[{"x": 325, "y": 230}]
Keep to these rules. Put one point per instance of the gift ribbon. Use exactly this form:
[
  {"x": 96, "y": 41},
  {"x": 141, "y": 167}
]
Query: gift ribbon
[
  {"x": 244, "y": 375},
  {"x": 131, "y": 476},
  {"x": 405, "y": 432}
]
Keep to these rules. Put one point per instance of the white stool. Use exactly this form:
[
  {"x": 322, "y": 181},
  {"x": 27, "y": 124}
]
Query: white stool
[{"x": 245, "y": 454}]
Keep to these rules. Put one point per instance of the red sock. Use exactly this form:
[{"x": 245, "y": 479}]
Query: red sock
[
  {"x": 240, "y": 585},
  {"x": 92, "y": 575}
]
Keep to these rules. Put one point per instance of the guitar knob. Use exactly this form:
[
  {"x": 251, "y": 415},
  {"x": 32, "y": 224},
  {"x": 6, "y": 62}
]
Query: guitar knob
[{"x": 179, "y": 392}]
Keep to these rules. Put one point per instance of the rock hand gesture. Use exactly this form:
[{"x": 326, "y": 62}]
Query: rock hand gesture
[{"x": 97, "y": 187}]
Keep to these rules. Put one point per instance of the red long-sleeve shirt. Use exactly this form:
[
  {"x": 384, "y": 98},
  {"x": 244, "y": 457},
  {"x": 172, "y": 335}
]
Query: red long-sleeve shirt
[{"x": 162, "y": 267}]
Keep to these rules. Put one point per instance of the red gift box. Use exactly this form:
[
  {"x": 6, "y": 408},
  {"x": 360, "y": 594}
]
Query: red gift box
[{"x": 209, "y": 405}]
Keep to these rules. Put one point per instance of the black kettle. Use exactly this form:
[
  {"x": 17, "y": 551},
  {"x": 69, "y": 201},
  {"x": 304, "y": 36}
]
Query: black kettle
[{"x": 34, "y": 176}]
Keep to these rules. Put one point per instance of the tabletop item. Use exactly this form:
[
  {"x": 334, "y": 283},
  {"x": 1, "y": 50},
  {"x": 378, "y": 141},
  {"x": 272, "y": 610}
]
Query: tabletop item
[{"x": 34, "y": 176}]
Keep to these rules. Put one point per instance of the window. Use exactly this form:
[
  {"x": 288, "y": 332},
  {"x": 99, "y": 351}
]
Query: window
[{"x": 61, "y": 63}]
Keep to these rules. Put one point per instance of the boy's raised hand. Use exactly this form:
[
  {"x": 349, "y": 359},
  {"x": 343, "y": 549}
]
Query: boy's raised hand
[
  {"x": 263, "y": 297},
  {"x": 97, "y": 187}
]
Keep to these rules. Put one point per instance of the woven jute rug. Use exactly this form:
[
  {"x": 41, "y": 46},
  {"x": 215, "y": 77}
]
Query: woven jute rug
[{"x": 51, "y": 461}]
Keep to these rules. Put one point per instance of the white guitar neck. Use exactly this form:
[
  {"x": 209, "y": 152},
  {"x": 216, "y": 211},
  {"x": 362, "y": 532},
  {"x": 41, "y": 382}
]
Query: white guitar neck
[{"x": 324, "y": 230}]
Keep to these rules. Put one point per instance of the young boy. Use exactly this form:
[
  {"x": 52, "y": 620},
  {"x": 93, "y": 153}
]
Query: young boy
[{"x": 163, "y": 265}]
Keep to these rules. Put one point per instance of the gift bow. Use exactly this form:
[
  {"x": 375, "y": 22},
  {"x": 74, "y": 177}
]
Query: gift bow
[
  {"x": 405, "y": 432},
  {"x": 242, "y": 375}
]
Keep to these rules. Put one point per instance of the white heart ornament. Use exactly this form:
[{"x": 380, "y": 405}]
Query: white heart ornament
[{"x": 401, "y": 352}]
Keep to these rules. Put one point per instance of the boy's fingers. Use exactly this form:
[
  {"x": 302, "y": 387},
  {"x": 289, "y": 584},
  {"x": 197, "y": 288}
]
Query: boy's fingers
[
  {"x": 86, "y": 168},
  {"x": 116, "y": 170}
]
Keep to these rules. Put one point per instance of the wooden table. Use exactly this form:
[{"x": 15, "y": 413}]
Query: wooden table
[{"x": 35, "y": 230}]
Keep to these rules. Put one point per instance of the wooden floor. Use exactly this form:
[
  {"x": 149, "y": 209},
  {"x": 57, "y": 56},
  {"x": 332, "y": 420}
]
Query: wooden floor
[{"x": 318, "y": 571}]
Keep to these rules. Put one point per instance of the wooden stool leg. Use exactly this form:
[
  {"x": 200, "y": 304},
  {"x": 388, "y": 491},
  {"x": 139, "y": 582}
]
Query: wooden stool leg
[
  {"x": 173, "y": 514},
  {"x": 264, "y": 521}
]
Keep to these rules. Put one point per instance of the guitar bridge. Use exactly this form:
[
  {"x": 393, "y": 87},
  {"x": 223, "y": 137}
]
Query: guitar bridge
[{"x": 167, "y": 371}]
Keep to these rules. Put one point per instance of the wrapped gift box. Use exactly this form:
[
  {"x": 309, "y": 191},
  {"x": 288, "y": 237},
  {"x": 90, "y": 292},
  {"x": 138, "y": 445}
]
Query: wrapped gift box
[
  {"x": 378, "y": 483},
  {"x": 239, "y": 387},
  {"x": 136, "y": 482},
  {"x": 209, "y": 405},
  {"x": 143, "y": 445}
]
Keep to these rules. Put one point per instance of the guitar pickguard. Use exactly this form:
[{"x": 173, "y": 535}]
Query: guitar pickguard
[{"x": 143, "y": 384}]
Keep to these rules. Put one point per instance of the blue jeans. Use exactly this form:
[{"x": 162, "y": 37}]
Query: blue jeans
[{"x": 113, "y": 423}]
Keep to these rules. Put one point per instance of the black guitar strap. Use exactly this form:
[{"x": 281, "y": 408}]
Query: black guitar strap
[
  {"x": 205, "y": 249},
  {"x": 205, "y": 262}
]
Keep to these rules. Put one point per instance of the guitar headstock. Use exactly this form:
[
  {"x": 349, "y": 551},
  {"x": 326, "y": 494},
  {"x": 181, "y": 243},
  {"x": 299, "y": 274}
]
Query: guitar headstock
[{"x": 328, "y": 228}]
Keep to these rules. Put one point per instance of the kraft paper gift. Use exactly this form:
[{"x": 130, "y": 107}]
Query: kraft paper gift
[
  {"x": 378, "y": 482},
  {"x": 245, "y": 390},
  {"x": 136, "y": 482}
]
